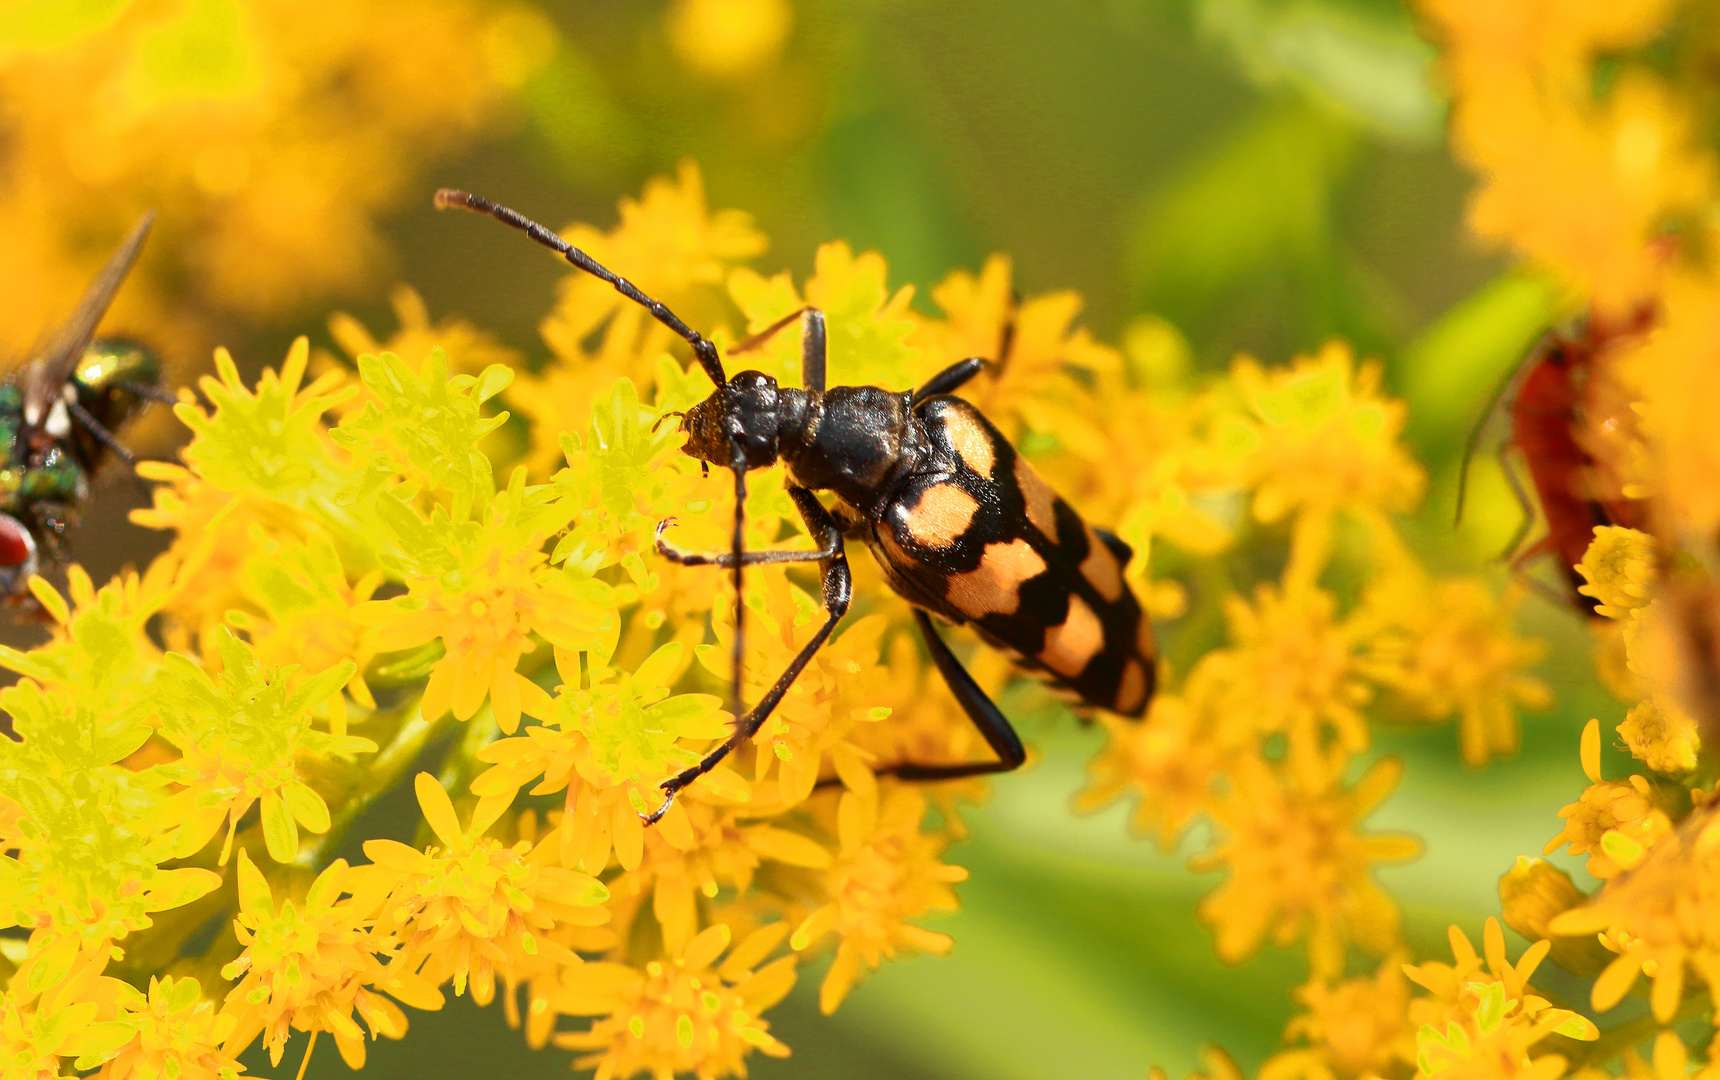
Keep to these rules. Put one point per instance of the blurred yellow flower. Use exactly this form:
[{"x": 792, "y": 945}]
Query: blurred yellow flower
[
  {"x": 272, "y": 134},
  {"x": 1353, "y": 1028},
  {"x": 1455, "y": 652},
  {"x": 729, "y": 38},
  {"x": 1299, "y": 866}
]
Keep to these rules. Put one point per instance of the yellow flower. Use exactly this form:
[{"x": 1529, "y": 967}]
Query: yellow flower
[
  {"x": 175, "y": 1033},
  {"x": 259, "y": 458},
  {"x": 242, "y": 735},
  {"x": 277, "y": 134},
  {"x": 1295, "y": 668},
  {"x": 1299, "y": 866},
  {"x": 47, "y": 1011},
  {"x": 1354, "y": 1028},
  {"x": 1039, "y": 358},
  {"x": 729, "y": 38},
  {"x": 1620, "y": 568},
  {"x": 477, "y": 907},
  {"x": 686, "y": 1014},
  {"x": 1494, "y": 1042},
  {"x": 1616, "y": 821},
  {"x": 1169, "y": 759},
  {"x": 1481, "y": 1016},
  {"x": 304, "y": 604},
  {"x": 1661, "y": 737},
  {"x": 610, "y": 745},
  {"x": 484, "y": 592},
  {"x": 1673, "y": 373},
  {"x": 100, "y": 646},
  {"x": 1325, "y": 438},
  {"x": 1661, "y": 918},
  {"x": 886, "y": 872},
  {"x": 1456, "y": 653},
  {"x": 831, "y": 696},
  {"x": 309, "y": 965}
]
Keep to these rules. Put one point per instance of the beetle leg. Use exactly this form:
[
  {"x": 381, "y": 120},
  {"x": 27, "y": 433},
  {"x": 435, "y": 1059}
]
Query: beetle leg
[
  {"x": 984, "y": 713},
  {"x": 838, "y": 591},
  {"x": 812, "y": 345},
  {"x": 726, "y": 559},
  {"x": 1508, "y": 467},
  {"x": 949, "y": 379}
]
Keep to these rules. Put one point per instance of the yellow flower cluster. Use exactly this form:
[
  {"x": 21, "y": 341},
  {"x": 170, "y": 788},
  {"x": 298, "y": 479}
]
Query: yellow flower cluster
[
  {"x": 359, "y": 566},
  {"x": 1261, "y": 734},
  {"x": 270, "y": 133},
  {"x": 1590, "y": 125}
]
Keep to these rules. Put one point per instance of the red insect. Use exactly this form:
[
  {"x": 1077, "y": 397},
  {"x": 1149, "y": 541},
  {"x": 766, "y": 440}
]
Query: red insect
[{"x": 1558, "y": 399}]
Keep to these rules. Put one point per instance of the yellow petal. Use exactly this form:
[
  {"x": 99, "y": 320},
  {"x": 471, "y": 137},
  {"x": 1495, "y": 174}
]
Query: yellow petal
[
  {"x": 1615, "y": 982},
  {"x": 1591, "y": 751},
  {"x": 788, "y": 847},
  {"x": 438, "y": 809},
  {"x": 703, "y": 950}
]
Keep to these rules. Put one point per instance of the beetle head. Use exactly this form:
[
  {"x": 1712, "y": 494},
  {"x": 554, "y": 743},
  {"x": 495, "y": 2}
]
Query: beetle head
[{"x": 741, "y": 413}]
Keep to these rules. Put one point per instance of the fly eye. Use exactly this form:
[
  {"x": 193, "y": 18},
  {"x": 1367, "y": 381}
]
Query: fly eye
[{"x": 17, "y": 546}]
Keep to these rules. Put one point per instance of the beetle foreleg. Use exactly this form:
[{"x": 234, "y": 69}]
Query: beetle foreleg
[{"x": 838, "y": 591}]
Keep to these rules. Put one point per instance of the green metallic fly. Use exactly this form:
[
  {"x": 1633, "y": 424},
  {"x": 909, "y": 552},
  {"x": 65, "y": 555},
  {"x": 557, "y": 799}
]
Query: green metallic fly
[{"x": 58, "y": 415}]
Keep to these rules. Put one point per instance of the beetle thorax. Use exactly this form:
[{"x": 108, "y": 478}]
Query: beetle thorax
[{"x": 853, "y": 441}]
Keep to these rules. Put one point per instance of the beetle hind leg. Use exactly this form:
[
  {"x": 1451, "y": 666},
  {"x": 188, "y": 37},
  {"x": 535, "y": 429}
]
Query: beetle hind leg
[{"x": 984, "y": 713}]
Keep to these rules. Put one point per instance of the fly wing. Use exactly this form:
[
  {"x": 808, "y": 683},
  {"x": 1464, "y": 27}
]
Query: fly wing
[{"x": 45, "y": 379}]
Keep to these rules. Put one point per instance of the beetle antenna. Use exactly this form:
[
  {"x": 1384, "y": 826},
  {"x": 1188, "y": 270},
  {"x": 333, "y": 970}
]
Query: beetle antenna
[
  {"x": 661, "y": 420},
  {"x": 702, "y": 347}
]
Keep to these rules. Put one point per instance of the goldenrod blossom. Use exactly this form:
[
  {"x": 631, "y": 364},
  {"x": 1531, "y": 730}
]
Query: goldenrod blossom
[
  {"x": 1299, "y": 866},
  {"x": 686, "y": 1013}
]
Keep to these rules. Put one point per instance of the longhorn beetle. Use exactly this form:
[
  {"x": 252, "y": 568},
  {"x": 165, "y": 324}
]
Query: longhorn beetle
[{"x": 963, "y": 527}]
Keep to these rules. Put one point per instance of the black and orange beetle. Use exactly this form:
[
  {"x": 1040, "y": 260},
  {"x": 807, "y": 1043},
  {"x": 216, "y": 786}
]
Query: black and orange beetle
[{"x": 962, "y": 525}]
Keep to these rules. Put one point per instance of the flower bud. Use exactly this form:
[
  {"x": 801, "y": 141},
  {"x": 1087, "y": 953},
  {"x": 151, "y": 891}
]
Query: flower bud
[{"x": 1533, "y": 892}]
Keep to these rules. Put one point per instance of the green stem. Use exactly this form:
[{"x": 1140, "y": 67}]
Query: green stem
[
  {"x": 1615, "y": 1041},
  {"x": 381, "y": 774}
]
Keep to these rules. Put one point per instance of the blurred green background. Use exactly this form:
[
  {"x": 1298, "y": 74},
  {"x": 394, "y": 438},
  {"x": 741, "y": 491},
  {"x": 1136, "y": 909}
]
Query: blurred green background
[{"x": 1264, "y": 175}]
